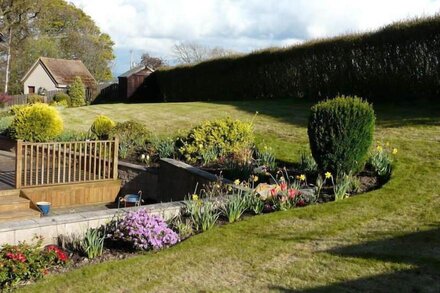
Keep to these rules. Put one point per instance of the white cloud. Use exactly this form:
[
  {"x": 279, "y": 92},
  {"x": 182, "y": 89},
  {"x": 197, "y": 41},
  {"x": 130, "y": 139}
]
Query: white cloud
[{"x": 242, "y": 25}]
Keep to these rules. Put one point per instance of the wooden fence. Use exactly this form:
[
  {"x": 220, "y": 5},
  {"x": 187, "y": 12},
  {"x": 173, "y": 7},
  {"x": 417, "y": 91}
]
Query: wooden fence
[
  {"x": 55, "y": 163},
  {"x": 90, "y": 94}
]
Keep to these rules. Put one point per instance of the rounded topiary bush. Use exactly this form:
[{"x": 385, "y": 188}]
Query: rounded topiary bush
[
  {"x": 37, "y": 123},
  {"x": 102, "y": 127},
  {"x": 340, "y": 134}
]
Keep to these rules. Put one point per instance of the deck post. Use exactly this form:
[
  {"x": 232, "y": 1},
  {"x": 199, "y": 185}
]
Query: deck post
[
  {"x": 115, "y": 158},
  {"x": 18, "y": 162}
]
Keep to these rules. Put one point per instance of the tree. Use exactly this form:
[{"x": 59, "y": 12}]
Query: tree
[
  {"x": 16, "y": 17},
  {"x": 152, "y": 62},
  {"x": 50, "y": 28},
  {"x": 191, "y": 52},
  {"x": 77, "y": 92}
]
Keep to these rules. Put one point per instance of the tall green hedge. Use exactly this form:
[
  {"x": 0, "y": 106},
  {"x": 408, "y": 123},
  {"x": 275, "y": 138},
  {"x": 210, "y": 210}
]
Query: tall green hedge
[{"x": 399, "y": 61}]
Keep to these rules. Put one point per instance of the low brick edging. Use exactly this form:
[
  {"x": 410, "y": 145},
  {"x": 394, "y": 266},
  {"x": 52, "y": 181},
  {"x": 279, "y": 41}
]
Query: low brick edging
[{"x": 53, "y": 226}]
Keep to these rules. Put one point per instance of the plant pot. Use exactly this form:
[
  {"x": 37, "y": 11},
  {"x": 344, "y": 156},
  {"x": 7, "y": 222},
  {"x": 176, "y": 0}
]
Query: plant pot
[{"x": 44, "y": 207}]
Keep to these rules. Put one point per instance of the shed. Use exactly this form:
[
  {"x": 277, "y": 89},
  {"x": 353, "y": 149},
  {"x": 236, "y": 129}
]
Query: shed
[
  {"x": 132, "y": 82},
  {"x": 55, "y": 74}
]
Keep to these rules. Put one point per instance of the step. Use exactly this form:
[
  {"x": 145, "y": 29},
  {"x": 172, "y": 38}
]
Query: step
[
  {"x": 19, "y": 215},
  {"x": 9, "y": 192},
  {"x": 13, "y": 203}
]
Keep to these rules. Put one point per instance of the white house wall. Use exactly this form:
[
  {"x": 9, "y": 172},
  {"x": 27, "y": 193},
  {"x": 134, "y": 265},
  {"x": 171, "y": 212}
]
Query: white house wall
[{"x": 38, "y": 78}]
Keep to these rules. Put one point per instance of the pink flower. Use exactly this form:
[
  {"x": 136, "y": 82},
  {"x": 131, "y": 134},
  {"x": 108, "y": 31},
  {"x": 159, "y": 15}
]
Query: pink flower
[
  {"x": 283, "y": 186},
  {"x": 292, "y": 193}
]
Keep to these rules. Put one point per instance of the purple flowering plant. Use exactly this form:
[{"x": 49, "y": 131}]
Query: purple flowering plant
[{"x": 144, "y": 231}]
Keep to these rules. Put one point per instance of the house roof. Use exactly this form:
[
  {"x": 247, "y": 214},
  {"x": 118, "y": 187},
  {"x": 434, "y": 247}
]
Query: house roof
[
  {"x": 136, "y": 70},
  {"x": 63, "y": 71}
]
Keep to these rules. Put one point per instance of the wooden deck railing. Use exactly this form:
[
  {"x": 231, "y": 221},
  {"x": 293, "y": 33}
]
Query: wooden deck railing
[{"x": 54, "y": 163}]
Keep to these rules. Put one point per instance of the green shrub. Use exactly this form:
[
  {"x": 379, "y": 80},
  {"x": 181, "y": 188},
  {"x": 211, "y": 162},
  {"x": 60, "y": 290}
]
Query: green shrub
[
  {"x": 102, "y": 127},
  {"x": 32, "y": 99},
  {"x": 165, "y": 148},
  {"x": 132, "y": 136},
  {"x": 5, "y": 123},
  {"x": 62, "y": 98},
  {"x": 77, "y": 93},
  {"x": 340, "y": 134},
  {"x": 37, "y": 122},
  {"x": 226, "y": 136}
]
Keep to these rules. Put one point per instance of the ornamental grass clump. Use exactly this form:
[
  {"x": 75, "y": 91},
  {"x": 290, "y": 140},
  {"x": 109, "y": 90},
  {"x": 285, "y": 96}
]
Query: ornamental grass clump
[
  {"x": 340, "y": 134},
  {"x": 144, "y": 231}
]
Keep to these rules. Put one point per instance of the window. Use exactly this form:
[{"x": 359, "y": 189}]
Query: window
[{"x": 31, "y": 89}]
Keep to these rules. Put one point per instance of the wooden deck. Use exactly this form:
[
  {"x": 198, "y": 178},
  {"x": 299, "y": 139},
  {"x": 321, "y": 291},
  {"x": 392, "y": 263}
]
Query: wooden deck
[{"x": 63, "y": 186}]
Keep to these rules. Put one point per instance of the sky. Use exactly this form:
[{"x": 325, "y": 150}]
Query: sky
[{"x": 154, "y": 26}]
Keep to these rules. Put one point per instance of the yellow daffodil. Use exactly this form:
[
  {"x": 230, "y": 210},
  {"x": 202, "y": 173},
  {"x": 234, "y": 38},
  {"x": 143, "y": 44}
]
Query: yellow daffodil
[
  {"x": 394, "y": 151},
  {"x": 237, "y": 182},
  {"x": 379, "y": 148},
  {"x": 302, "y": 177},
  {"x": 328, "y": 175},
  {"x": 195, "y": 197}
]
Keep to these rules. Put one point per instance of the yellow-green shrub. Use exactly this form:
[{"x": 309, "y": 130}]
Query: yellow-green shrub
[
  {"x": 102, "y": 127},
  {"x": 37, "y": 122},
  {"x": 225, "y": 136}
]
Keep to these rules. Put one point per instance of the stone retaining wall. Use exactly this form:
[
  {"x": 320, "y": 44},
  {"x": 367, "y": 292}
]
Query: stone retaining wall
[
  {"x": 53, "y": 226},
  {"x": 137, "y": 177},
  {"x": 172, "y": 181}
]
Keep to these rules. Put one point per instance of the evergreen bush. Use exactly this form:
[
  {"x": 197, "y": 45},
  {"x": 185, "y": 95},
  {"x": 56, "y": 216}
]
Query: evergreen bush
[
  {"x": 62, "y": 98},
  {"x": 77, "y": 93},
  {"x": 340, "y": 134},
  {"x": 36, "y": 123}
]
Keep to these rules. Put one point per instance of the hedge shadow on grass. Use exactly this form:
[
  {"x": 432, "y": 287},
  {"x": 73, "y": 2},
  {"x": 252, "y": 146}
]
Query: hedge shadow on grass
[
  {"x": 392, "y": 115},
  {"x": 419, "y": 249}
]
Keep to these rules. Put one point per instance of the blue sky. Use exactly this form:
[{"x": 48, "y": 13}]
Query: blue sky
[{"x": 154, "y": 26}]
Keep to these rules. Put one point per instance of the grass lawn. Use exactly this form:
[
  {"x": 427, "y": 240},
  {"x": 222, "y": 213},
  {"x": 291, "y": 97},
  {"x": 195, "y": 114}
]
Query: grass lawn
[{"x": 387, "y": 240}]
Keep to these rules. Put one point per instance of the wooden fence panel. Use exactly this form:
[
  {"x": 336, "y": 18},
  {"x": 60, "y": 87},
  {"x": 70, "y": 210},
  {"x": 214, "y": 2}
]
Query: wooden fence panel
[{"x": 55, "y": 163}]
